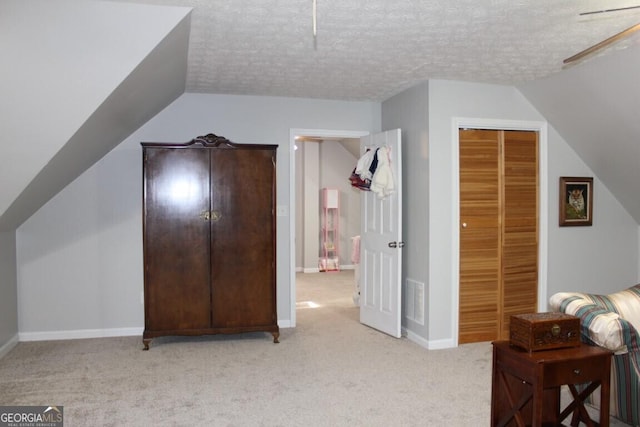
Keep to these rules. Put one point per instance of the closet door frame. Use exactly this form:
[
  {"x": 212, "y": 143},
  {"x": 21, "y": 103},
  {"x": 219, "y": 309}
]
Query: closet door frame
[{"x": 497, "y": 124}]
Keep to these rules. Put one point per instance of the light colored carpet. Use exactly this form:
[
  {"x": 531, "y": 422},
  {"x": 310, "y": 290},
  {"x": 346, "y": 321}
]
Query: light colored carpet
[{"x": 328, "y": 371}]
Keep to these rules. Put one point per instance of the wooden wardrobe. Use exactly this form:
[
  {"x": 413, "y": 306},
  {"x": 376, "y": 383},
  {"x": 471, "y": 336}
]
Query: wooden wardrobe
[
  {"x": 498, "y": 231},
  {"x": 209, "y": 238}
]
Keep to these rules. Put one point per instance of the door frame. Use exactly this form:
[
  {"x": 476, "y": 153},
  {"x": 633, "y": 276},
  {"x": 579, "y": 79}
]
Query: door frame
[
  {"x": 293, "y": 132},
  {"x": 543, "y": 211}
]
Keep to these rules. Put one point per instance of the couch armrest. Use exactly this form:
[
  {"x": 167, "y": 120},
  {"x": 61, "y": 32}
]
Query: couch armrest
[{"x": 598, "y": 326}]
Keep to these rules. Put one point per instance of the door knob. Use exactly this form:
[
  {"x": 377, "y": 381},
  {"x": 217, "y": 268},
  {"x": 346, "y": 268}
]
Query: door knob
[
  {"x": 396, "y": 244},
  {"x": 464, "y": 225}
]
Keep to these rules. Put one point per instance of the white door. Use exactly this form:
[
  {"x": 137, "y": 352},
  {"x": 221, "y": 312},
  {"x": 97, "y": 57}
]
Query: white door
[{"x": 381, "y": 244}]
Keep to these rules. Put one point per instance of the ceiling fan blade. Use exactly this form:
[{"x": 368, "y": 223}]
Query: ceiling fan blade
[
  {"x": 618, "y": 9},
  {"x": 603, "y": 43}
]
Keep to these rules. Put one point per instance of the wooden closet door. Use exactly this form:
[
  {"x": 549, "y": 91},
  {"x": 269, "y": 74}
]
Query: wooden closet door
[
  {"x": 498, "y": 231},
  {"x": 480, "y": 299},
  {"x": 520, "y": 226},
  {"x": 176, "y": 234},
  {"x": 243, "y": 237}
]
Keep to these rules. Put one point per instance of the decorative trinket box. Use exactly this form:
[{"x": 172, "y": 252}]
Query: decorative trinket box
[{"x": 544, "y": 331}]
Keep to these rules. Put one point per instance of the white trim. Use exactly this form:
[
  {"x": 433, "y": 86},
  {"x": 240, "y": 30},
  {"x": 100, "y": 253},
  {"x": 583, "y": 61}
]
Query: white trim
[
  {"x": 441, "y": 344},
  {"x": 293, "y": 132},
  {"x": 543, "y": 212},
  {"x": 412, "y": 336},
  {"x": 284, "y": 324},
  {"x": 8, "y": 346},
  {"x": 79, "y": 334},
  {"x": 84, "y": 334},
  {"x": 429, "y": 345},
  {"x": 317, "y": 270}
]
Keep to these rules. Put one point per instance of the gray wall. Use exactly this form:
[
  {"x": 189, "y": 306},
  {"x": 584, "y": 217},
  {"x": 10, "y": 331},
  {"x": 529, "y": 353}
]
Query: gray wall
[
  {"x": 8, "y": 296},
  {"x": 409, "y": 111},
  {"x": 447, "y": 101},
  {"x": 595, "y": 106},
  {"x": 602, "y": 258},
  {"x": 572, "y": 255},
  {"x": 83, "y": 277},
  {"x": 96, "y": 88}
]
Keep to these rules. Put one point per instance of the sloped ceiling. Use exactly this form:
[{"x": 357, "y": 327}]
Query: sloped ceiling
[
  {"x": 78, "y": 78},
  {"x": 84, "y": 74},
  {"x": 371, "y": 50},
  {"x": 596, "y": 108}
]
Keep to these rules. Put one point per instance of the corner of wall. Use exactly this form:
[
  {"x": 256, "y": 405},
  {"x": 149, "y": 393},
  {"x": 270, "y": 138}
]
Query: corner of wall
[
  {"x": 8, "y": 346},
  {"x": 8, "y": 292}
]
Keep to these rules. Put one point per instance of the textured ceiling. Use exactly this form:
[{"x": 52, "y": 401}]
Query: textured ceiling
[{"x": 373, "y": 49}]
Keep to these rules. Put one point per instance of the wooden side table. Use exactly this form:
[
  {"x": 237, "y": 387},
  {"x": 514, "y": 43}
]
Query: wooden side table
[{"x": 525, "y": 388}]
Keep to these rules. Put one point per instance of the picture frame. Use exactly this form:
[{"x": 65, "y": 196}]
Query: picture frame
[{"x": 576, "y": 201}]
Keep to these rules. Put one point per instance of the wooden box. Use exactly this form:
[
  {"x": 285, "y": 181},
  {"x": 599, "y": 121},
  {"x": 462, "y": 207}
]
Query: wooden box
[{"x": 544, "y": 331}]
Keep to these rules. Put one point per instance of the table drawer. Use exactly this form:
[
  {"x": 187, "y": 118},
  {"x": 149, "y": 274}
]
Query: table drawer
[{"x": 573, "y": 371}]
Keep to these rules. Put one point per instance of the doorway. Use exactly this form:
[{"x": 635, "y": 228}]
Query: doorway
[{"x": 309, "y": 247}]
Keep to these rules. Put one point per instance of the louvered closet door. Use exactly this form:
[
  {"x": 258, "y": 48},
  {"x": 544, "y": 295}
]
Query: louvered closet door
[
  {"x": 520, "y": 231},
  {"x": 479, "y": 236},
  {"x": 242, "y": 237},
  {"x": 498, "y": 231}
]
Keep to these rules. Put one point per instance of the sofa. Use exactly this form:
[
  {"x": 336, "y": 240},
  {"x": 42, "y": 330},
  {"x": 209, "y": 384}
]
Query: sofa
[{"x": 613, "y": 322}]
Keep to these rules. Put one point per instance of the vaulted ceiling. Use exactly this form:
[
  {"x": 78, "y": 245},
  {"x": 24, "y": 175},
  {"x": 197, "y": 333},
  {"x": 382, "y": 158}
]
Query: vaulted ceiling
[
  {"x": 373, "y": 49},
  {"x": 96, "y": 70}
]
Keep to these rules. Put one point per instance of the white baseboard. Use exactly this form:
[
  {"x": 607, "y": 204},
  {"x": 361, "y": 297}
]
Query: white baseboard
[
  {"x": 8, "y": 346},
  {"x": 79, "y": 334},
  {"x": 441, "y": 344},
  {"x": 317, "y": 270},
  {"x": 429, "y": 345},
  {"x": 284, "y": 323},
  {"x": 412, "y": 336},
  {"x": 87, "y": 333}
]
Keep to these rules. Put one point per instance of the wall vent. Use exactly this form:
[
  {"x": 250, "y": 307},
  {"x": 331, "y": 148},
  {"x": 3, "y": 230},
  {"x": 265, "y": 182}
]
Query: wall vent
[{"x": 414, "y": 301}]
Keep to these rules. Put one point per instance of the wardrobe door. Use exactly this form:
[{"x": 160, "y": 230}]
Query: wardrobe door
[
  {"x": 176, "y": 239},
  {"x": 243, "y": 237}
]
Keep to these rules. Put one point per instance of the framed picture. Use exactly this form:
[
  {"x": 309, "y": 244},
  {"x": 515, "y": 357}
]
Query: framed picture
[{"x": 576, "y": 201}]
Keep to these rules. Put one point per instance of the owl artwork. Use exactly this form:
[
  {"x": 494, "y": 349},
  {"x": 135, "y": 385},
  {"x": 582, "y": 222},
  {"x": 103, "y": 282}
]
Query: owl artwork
[{"x": 576, "y": 202}]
